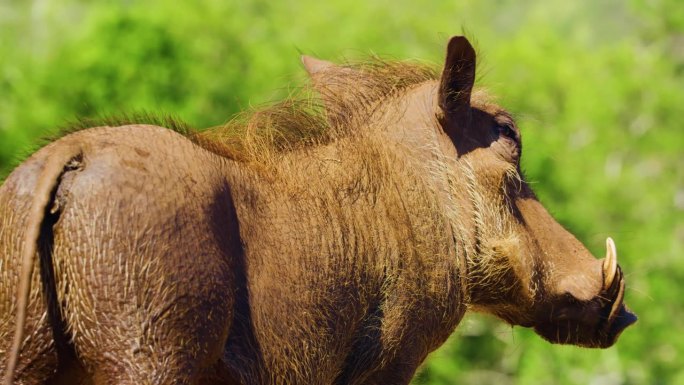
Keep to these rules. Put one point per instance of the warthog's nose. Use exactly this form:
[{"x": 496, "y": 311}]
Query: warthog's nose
[{"x": 623, "y": 319}]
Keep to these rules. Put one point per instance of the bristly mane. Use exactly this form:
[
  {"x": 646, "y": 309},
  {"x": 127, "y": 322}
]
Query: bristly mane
[{"x": 334, "y": 109}]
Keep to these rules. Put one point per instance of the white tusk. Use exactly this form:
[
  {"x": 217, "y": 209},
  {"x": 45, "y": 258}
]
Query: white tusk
[{"x": 609, "y": 264}]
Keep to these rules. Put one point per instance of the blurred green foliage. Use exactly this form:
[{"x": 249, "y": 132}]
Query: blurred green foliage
[{"x": 598, "y": 88}]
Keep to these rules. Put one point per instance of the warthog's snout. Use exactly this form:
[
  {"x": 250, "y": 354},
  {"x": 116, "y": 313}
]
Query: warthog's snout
[
  {"x": 622, "y": 320},
  {"x": 596, "y": 322}
]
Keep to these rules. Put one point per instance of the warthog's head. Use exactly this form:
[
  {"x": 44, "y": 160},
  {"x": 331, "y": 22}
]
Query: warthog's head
[{"x": 522, "y": 266}]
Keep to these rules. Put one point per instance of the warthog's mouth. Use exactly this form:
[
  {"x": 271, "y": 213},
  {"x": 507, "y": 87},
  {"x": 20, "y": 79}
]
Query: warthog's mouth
[{"x": 596, "y": 323}]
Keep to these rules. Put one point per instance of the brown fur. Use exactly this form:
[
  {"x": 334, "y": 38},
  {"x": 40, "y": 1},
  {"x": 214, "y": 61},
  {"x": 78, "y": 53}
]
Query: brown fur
[{"x": 336, "y": 241}]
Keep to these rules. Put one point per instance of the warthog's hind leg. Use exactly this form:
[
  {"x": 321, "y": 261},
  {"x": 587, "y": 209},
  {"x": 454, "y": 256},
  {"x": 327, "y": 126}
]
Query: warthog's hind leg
[{"x": 145, "y": 276}]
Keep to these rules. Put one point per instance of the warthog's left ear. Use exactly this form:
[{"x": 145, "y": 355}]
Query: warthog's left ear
[
  {"x": 314, "y": 66},
  {"x": 458, "y": 78},
  {"x": 328, "y": 78},
  {"x": 324, "y": 77},
  {"x": 334, "y": 85}
]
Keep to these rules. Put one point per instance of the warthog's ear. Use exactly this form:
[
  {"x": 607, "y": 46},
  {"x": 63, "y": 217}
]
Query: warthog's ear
[
  {"x": 328, "y": 78},
  {"x": 335, "y": 86},
  {"x": 458, "y": 78},
  {"x": 314, "y": 66},
  {"x": 324, "y": 77}
]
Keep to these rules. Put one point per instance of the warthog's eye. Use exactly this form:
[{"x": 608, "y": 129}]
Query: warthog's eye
[
  {"x": 506, "y": 137},
  {"x": 507, "y": 131}
]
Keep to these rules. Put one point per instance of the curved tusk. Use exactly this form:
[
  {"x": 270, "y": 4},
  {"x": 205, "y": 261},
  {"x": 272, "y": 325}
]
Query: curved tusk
[{"x": 609, "y": 264}]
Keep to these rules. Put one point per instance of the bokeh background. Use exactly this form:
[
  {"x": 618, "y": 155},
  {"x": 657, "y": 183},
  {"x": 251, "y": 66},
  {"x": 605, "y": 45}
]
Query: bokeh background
[{"x": 597, "y": 87}]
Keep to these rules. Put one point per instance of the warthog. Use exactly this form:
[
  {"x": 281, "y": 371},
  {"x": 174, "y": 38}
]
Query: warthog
[{"x": 329, "y": 242}]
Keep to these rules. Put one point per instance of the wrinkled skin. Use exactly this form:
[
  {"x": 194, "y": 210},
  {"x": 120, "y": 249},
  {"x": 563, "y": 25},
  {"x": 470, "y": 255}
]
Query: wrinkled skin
[{"x": 345, "y": 263}]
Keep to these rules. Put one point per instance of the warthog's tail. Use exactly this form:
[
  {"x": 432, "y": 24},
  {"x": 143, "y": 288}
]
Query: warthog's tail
[{"x": 46, "y": 183}]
